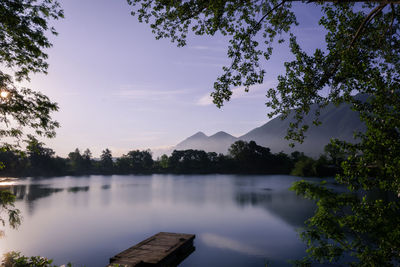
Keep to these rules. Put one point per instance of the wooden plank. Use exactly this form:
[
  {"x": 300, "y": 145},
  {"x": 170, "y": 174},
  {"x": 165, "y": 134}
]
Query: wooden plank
[{"x": 162, "y": 249}]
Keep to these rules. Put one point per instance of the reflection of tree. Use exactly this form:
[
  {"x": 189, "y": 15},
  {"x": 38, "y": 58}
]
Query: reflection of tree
[
  {"x": 286, "y": 205},
  {"x": 32, "y": 192},
  {"x": 76, "y": 189}
]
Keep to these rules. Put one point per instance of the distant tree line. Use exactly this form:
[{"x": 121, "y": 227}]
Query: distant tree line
[{"x": 243, "y": 158}]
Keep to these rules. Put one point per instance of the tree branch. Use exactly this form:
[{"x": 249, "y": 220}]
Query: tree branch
[
  {"x": 353, "y": 1},
  {"x": 367, "y": 19},
  {"x": 268, "y": 13},
  {"x": 258, "y": 25}
]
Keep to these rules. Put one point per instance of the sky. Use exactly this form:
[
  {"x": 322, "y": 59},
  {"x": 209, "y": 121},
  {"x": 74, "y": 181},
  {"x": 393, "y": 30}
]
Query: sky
[{"x": 119, "y": 88}]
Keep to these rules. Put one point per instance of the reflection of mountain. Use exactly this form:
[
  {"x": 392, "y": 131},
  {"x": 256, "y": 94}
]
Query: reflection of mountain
[{"x": 291, "y": 208}]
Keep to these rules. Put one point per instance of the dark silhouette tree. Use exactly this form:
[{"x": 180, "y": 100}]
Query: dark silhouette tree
[
  {"x": 251, "y": 157},
  {"x": 87, "y": 160},
  {"x": 189, "y": 161},
  {"x": 140, "y": 161},
  {"x": 76, "y": 161},
  {"x": 164, "y": 161},
  {"x": 39, "y": 157},
  {"x": 106, "y": 161}
]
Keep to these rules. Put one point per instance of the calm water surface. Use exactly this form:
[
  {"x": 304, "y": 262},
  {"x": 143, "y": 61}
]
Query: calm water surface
[{"x": 238, "y": 220}]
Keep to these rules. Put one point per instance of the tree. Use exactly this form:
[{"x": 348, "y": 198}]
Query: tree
[
  {"x": 39, "y": 156},
  {"x": 23, "y": 28},
  {"x": 362, "y": 56},
  {"x": 335, "y": 153},
  {"x": 106, "y": 161},
  {"x": 304, "y": 167},
  {"x": 76, "y": 161},
  {"x": 251, "y": 157},
  {"x": 87, "y": 160},
  {"x": 140, "y": 161},
  {"x": 189, "y": 161},
  {"x": 7, "y": 205},
  {"x": 164, "y": 161},
  {"x": 23, "y": 25},
  {"x": 135, "y": 162}
]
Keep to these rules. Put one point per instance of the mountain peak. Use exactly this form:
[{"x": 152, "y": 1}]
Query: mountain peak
[
  {"x": 337, "y": 122},
  {"x": 198, "y": 135},
  {"x": 222, "y": 134}
]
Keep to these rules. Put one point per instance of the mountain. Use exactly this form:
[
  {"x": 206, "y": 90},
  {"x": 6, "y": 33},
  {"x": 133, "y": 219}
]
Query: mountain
[
  {"x": 218, "y": 142},
  {"x": 337, "y": 122}
]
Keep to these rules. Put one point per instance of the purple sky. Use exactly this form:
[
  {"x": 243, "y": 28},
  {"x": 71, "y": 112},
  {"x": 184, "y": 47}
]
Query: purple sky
[{"x": 119, "y": 88}]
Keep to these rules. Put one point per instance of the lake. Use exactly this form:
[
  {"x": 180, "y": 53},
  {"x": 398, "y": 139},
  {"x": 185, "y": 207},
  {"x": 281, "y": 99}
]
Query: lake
[{"x": 238, "y": 220}]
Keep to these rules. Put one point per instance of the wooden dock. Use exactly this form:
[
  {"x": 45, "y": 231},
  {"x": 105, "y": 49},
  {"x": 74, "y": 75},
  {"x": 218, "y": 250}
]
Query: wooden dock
[{"x": 161, "y": 250}]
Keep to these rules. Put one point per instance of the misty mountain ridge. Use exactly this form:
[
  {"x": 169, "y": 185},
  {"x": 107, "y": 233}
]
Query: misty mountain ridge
[
  {"x": 218, "y": 142},
  {"x": 337, "y": 122}
]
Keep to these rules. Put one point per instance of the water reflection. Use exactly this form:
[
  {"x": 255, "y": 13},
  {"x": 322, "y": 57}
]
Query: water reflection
[
  {"x": 106, "y": 186},
  {"x": 239, "y": 220},
  {"x": 32, "y": 192},
  {"x": 7, "y": 182},
  {"x": 76, "y": 189},
  {"x": 291, "y": 208},
  {"x": 217, "y": 241}
]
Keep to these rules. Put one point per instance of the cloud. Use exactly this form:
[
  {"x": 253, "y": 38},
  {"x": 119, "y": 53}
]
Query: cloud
[
  {"x": 205, "y": 100},
  {"x": 147, "y": 92},
  {"x": 198, "y": 64},
  {"x": 200, "y": 47},
  {"x": 207, "y": 48},
  {"x": 255, "y": 91}
]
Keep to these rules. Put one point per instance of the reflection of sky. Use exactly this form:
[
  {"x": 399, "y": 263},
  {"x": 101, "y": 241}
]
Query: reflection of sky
[
  {"x": 105, "y": 215},
  {"x": 6, "y": 182},
  {"x": 214, "y": 240}
]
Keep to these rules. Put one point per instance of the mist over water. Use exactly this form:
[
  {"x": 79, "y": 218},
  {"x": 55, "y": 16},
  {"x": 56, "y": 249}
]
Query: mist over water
[{"x": 238, "y": 220}]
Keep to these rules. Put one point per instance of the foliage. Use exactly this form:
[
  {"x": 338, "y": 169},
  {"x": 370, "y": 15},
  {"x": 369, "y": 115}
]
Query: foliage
[
  {"x": 163, "y": 161},
  {"x": 361, "y": 56},
  {"x": 23, "y": 109},
  {"x": 7, "y": 206},
  {"x": 140, "y": 161},
  {"x": 322, "y": 167},
  {"x": 87, "y": 160},
  {"x": 193, "y": 161},
  {"x": 80, "y": 163},
  {"x": 15, "y": 259},
  {"x": 244, "y": 157},
  {"x": 240, "y": 20},
  {"x": 75, "y": 160},
  {"x": 250, "y": 157},
  {"x": 135, "y": 161},
  {"x": 106, "y": 161},
  {"x": 304, "y": 167},
  {"x": 23, "y": 25},
  {"x": 38, "y": 156}
]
